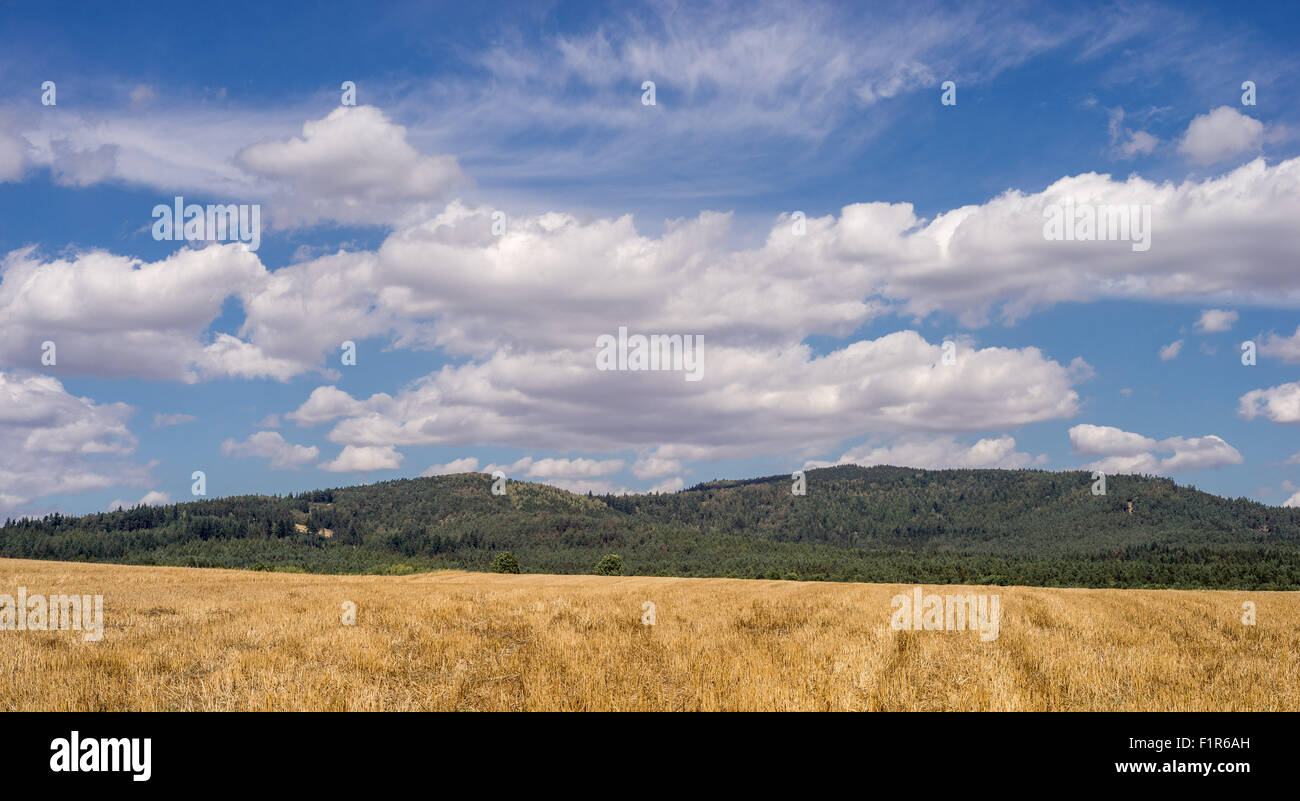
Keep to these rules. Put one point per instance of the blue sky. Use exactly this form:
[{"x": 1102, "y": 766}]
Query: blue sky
[{"x": 475, "y": 347}]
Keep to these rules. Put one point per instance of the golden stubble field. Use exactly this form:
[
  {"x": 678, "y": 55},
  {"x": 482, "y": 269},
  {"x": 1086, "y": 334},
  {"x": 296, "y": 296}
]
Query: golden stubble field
[{"x": 191, "y": 639}]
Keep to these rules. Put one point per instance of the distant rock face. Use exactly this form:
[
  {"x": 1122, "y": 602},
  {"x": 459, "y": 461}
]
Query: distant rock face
[{"x": 301, "y": 528}]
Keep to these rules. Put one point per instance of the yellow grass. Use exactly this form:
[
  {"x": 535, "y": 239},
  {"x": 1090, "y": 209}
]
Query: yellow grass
[{"x": 181, "y": 639}]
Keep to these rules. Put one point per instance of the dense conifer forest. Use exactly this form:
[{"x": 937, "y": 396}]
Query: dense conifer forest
[{"x": 879, "y": 524}]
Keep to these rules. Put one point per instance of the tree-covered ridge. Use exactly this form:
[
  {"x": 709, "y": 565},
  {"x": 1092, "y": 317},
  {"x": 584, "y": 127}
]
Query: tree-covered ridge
[
  {"x": 855, "y": 523},
  {"x": 992, "y": 511}
]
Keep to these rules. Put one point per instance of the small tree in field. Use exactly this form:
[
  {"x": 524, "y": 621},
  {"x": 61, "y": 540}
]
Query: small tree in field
[
  {"x": 610, "y": 564},
  {"x": 505, "y": 563}
]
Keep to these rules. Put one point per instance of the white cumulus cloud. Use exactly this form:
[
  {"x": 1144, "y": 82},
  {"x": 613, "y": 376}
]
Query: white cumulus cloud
[
  {"x": 270, "y": 445},
  {"x": 362, "y": 459},
  {"x": 355, "y": 165},
  {"x": 468, "y": 464},
  {"x": 1216, "y": 320},
  {"x": 1127, "y": 452},
  {"x": 1281, "y": 403},
  {"x": 1221, "y": 134}
]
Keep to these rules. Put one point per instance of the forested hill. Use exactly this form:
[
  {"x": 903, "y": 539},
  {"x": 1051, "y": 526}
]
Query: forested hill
[{"x": 853, "y": 523}]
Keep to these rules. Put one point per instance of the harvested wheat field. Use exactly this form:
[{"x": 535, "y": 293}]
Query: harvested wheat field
[{"x": 194, "y": 639}]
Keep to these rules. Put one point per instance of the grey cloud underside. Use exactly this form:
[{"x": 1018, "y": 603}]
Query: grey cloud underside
[
  {"x": 521, "y": 313},
  {"x": 56, "y": 443},
  {"x": 750, "y": 401}
]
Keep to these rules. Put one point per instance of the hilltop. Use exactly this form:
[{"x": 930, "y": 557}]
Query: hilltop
[{"x": 885, "y": 524}]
